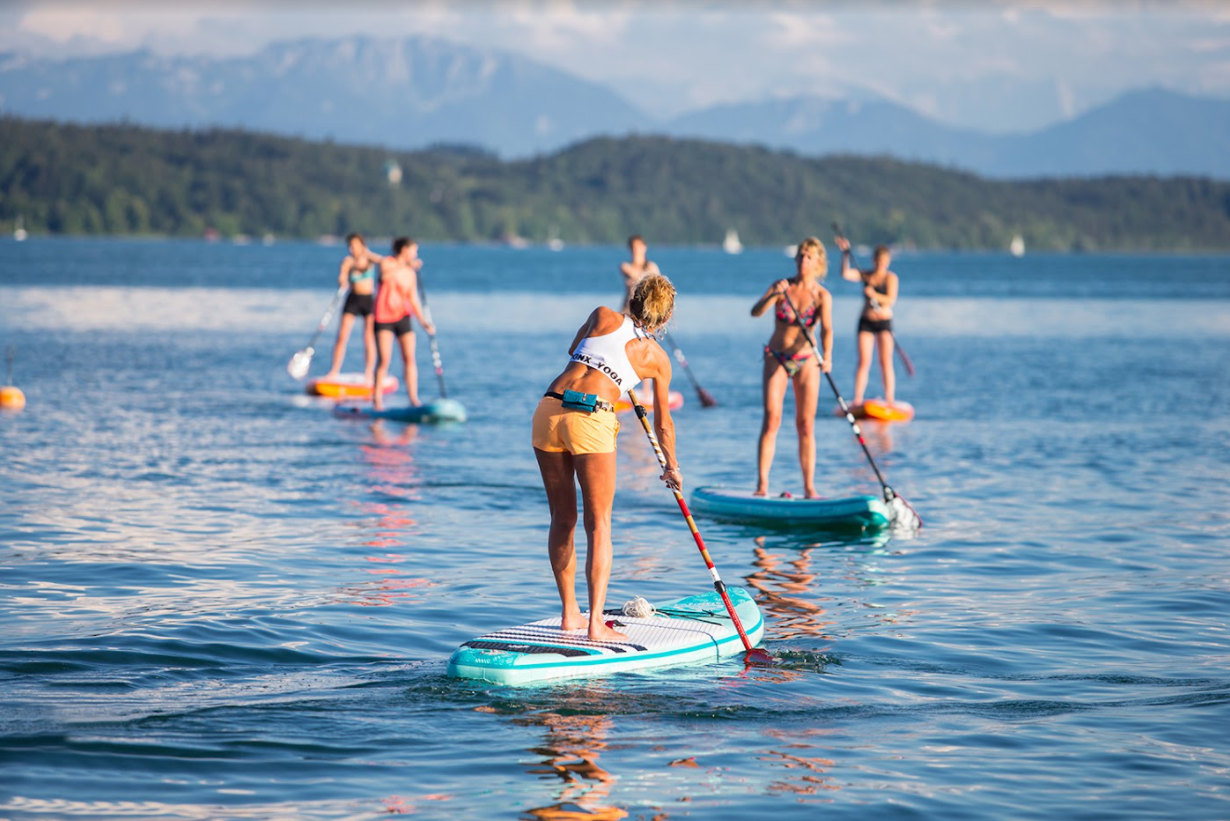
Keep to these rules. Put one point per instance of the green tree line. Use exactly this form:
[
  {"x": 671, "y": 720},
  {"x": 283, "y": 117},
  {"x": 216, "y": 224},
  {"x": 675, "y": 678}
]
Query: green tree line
[{"x": 129, "y": 180}]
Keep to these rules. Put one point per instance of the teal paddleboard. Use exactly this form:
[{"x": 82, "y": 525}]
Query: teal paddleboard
[
  {"x": 441, "y": 410},
  {"x": 694, "y": 630},
  {"x": 867, "y": 512}
]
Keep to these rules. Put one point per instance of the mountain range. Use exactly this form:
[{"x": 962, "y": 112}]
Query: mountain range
[{"x": 412, "y": 92}]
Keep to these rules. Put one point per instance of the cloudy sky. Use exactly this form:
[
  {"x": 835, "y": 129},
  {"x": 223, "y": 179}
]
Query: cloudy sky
[{"x": 994, "y": 65}]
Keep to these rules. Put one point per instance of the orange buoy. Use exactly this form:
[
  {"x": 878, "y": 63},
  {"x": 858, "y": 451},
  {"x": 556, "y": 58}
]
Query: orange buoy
[{"x": 12, "y": 398}]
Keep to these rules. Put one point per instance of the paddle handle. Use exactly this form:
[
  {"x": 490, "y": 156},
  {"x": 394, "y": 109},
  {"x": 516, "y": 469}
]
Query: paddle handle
[{"x": 687, "y": 515}]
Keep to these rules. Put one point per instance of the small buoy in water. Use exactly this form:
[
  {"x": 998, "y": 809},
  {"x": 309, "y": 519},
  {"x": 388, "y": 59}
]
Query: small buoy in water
[
  {"x": 12, "y": 398},
  {"x": 638, "y": 608}
]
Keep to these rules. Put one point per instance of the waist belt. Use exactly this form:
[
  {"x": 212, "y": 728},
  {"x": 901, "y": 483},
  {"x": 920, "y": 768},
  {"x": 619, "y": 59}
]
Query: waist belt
[{"x": 575, "y": 400}]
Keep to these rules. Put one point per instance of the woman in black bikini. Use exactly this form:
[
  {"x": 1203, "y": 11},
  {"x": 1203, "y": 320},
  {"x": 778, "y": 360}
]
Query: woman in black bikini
[
  {"x": 359, "y": 272},
  {"x": 787, "y": 358},
  {"x": 875, "y": 324}
]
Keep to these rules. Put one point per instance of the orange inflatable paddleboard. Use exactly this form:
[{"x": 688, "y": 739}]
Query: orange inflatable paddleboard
[
  {"x": 675, "y": 402},
  {"x": 348, "y": 386},
  {"x": 881, "y": 410}
]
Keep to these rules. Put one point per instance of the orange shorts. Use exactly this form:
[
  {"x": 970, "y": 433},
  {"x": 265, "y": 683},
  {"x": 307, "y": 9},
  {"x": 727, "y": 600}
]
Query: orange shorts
[{"x": 557, "y": 430}]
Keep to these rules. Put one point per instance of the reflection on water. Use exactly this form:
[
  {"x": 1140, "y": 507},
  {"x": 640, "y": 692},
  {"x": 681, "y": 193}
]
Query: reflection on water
[
  {"x": 570, "y": 748},
  {"x": 807, "y": 775},
  {"x": 391, "y": 474}
]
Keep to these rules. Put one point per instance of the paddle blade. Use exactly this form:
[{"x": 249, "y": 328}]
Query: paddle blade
[
  {"x": 706, "y": 399},
  {"x": 756, "y": 657},
  {"x": 906, "y": 520},
  {"x": 298, "y": 365}
]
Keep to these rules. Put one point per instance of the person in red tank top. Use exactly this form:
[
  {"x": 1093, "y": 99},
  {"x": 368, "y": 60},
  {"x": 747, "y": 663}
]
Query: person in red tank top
[{"x": 396, "y": 301}]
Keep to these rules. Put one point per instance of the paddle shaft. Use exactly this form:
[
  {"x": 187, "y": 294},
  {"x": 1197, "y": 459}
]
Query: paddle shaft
[
  {"x": 889, "y": 494},
  {"x": 10, "y": 353},
  {"x": 324, "y": 320},
  {"x": 431, "y": 338},
  {"x": 705, "y": 398},
  {"x": 905, "y": 358},
  {"x": 687, "y": 515}
]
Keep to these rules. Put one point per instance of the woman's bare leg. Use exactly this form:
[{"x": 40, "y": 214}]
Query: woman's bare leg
[
  {"x": 412, "y": 373},
  {"x": 774, "y": 380},
  {"x": 369, "y": 346},
  {"x": 806, "y": 397},
  {"x": 339, "y": 347},
  {"x": 384, "y": 344},
  {"x": 887, "y": 344},
  {"x": 596, "y": 474},
  {"x": 558, "y": 477},
  {"x": 866, "y": 341}
]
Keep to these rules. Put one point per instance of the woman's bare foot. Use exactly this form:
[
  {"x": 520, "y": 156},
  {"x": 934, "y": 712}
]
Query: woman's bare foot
[
  {"x": 573, "y": 621},
  {"x": 760, "y": 490},
  {"x": 811, "y": 494},
  {"x": 600, "y": 632}
]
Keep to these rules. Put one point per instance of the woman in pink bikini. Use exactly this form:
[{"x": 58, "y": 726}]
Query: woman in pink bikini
[{"x": 788, "y": 359}]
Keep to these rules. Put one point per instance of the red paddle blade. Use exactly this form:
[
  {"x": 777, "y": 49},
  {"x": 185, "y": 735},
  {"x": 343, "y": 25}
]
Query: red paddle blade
[
  {"x": 706, "y": 399},
  {"x": 756, "y": 657}
]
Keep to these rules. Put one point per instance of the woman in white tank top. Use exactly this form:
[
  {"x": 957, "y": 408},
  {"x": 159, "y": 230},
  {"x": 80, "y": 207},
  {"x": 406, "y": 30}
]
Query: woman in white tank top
[{"x": 574, "y": 439}]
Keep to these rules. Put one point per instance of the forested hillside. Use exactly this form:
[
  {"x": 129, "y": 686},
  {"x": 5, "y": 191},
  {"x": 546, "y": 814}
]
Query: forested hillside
[{"x": 122, "y": 179}]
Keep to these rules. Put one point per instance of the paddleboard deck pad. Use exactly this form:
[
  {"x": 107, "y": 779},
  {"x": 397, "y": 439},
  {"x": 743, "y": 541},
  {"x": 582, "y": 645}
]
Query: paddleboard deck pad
[
  {"x": 866, "y": 512},
  {"x": 441, "y": 410},
  {"x": 692, "y": 630},
  {"x": 348, "y": 386},
  {"x": 674, "y": 402},
  {"x": 881, "y": 410}
]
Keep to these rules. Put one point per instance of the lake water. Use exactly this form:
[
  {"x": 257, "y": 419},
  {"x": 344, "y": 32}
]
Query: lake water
[{"x": 220, "y": 601}]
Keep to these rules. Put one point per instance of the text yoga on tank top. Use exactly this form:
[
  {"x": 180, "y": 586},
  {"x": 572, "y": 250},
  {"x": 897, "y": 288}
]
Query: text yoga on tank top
[{"x": 607, "y": 354}]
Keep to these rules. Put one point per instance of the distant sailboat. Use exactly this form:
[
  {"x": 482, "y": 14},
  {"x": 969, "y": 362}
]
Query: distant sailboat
[
  {"x": 731, "y": 244},
  {"x": 553, "y": 240},
  {"x": 20, "y": 233},
  {"x": 1017, "y": 246}
]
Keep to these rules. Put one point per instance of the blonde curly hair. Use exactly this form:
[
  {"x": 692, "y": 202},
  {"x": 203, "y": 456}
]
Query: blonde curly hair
[
  {"x": 806, "y": 245},
  {"x": 652, "y": 302}
]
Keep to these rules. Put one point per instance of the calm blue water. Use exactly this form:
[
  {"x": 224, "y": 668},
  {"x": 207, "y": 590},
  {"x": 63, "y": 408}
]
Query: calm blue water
[{"x": 220, "y": 601}]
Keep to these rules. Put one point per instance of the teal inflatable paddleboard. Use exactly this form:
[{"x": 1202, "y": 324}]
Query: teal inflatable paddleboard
[
  {"x": 867, "y": 512},
  {"x": 441, "y": 410},
  {"x": 695, "y": 630}
]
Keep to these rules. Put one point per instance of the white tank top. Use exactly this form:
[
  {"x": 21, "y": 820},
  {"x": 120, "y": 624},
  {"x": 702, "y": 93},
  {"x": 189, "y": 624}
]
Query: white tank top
[{"x": 607, "y": 354}]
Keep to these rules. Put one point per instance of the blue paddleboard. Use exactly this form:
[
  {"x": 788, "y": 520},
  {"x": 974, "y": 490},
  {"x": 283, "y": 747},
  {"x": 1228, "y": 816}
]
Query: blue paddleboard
[
  {"x": 868, "y": 512},
  {"x": 694, "y": 630},
  {"x": 441, "y": 410}
]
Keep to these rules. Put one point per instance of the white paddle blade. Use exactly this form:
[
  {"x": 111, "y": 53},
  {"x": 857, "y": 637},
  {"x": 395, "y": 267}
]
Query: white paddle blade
[
  {"x": 905, "y": 521},
  {"x": 298, "y": 365}
]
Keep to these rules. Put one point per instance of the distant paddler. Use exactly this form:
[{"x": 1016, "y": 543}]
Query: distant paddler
[
  {"x": 574, "y": 432},
  {"x": 358, "y": 271},
  {"x": 637, "y": 268},
  {"x": 396, "y": 302},
  {"x": 788, "y": 358},
  {"x": 875, "y": 323}
]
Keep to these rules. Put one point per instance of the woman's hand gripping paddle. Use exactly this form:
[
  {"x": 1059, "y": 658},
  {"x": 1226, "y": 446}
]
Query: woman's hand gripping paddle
[
  {"x": 753, "y": 655},
  {"x": 905, "y": 359},
  {"x": 903, "y": 514},
  {"x": 302, "y": 360},
  {"x": 431, "y": 337},
  {"x": 706, "y": 398}
]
